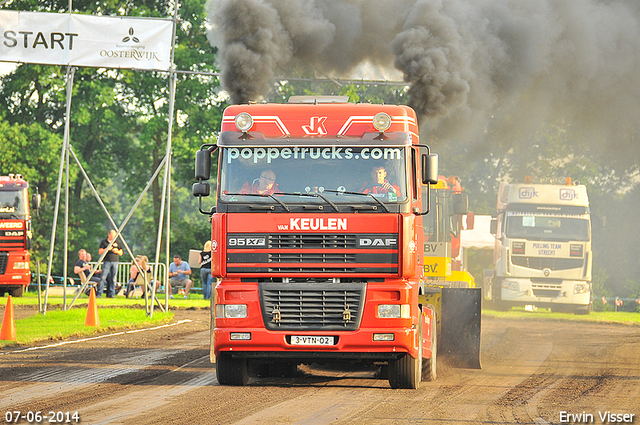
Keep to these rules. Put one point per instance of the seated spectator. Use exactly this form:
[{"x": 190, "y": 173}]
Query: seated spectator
[
  {"x": 139, "y": 279},
  {"x": 98, "y": 272},
  {"x": 179, "y": 272},
  {"x": 82, "y": 269}
]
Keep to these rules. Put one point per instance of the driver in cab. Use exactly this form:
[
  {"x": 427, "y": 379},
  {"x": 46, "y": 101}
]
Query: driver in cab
[
  {"x": 379, "y": 183},
  {"x": 263, "y": 185}
]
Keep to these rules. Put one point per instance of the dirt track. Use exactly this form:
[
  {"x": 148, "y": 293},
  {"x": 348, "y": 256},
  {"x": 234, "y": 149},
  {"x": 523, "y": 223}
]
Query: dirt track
[{"x": 532, "y": 371}]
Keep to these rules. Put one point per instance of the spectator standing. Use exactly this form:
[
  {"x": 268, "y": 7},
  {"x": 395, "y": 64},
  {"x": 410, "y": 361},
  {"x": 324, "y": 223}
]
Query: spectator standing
[
  {"x": 111, "y": 261},
  {"x": 205, "y": 270},
  {"x": 179, "y": 272}
]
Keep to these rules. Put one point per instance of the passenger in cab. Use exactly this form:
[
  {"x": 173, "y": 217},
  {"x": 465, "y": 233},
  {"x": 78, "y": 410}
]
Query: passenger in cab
[
  {"x": 263, "y": 185},
  {"x": 379, "y": 183}
]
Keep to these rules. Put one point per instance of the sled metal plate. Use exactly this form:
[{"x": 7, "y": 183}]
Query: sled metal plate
[{"x": 460, "y": 333}]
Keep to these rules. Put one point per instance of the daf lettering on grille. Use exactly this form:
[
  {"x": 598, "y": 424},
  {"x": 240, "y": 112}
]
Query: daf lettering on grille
[{"x": 381, "y": 242}]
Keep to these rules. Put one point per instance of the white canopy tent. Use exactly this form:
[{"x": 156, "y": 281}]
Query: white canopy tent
[{"x": 479, "y": 237}]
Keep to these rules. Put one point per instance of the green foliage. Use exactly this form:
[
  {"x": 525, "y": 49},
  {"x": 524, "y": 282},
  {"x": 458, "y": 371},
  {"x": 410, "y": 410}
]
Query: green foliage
[
  {"x": 34, "y": 152},
  {"x": 119, "y": 123}
]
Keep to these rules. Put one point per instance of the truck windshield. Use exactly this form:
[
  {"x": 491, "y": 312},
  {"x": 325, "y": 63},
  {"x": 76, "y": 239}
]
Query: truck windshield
[
  {"x": 548, "y": 228},
  {"x": 332, "y": 171},
  {"x": 13, "y": 204}
]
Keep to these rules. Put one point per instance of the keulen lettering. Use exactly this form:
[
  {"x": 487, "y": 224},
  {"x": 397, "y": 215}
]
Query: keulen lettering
[
  {"x": 53, "y": 41},
  {"x": 318, "y": 224}
]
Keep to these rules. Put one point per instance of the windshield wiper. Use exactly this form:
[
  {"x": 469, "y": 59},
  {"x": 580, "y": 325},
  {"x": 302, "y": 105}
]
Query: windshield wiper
[
  {"x": 314, "y": 195},
  {"x": 361, "y": 194},
  {"x": 262, "y": 196}
]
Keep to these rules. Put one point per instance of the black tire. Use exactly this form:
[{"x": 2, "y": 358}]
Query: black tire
[
  {"x": 406, "y": 372},
  {"x": 17, "y": 292},
  {"x": 429, "y": 365},
  {"x": 231, "y": 370}
]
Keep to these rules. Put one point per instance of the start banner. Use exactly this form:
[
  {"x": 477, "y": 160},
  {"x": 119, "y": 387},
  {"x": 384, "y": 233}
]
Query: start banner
[{"x": 84, "y": 40}]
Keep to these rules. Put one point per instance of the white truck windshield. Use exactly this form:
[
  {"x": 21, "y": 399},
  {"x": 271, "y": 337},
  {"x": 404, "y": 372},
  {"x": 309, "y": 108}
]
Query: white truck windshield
[
  {"x": 548, "y": 228},
  {"x": 13, "y": 204},
  {"x": 279, "y": 171}
]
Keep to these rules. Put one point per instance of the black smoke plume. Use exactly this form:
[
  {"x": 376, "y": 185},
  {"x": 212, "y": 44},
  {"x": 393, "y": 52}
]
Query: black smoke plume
[{"x": 472, "y": 65}]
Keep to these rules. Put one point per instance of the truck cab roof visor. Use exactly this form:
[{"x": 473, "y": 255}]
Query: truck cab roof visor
[{"x": 237, "y": 139}]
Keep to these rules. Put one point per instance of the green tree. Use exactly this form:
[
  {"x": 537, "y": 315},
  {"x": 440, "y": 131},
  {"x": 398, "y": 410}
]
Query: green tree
[{"x": 119, "y": 122}]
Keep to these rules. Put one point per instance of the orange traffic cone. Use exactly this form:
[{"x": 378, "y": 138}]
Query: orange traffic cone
[
  {"x": 92, "y": 311},
  {"x": 8, "y": 331}
]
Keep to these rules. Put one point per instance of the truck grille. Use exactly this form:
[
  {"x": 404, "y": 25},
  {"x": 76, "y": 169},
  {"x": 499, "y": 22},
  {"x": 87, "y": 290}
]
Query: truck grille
[
  {"x": 11, "y": 244},
  {"x": 546, "y": 290},
  {"x": 362, "y": 254},
  {"x": 312, "y": 258},
  {"x": 4, "y": 259},
  {"x": 312, "y": 306},
  {"x": 318, "y": 241},
  {"x": 541, "y": 263}
]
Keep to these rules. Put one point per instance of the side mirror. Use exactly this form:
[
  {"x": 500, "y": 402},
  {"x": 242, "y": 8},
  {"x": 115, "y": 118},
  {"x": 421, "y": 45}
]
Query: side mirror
[
  {"x": 36, "y": 200},
  {"x": 460, "y": 203},
  {"x": 430, "y": 168},
  {"x": 203, "y": 165},
  {"x": 201, "y": 189},
  {"x": 493, "y": 226}
]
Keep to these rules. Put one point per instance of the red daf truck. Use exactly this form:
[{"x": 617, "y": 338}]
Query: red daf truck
[
  {"x": 318, "y": 241},
  {"x": 15, "y": 234}
]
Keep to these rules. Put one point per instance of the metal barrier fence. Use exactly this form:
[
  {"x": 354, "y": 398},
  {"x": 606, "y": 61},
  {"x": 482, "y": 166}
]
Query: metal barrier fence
[{"x": 124, "y": 272}]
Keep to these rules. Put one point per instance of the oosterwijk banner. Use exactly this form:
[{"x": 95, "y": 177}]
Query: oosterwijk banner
[{"x": 83, "y": 40}]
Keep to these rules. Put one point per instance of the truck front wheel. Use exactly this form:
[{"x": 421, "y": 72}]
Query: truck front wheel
[
  {"x": 406, "y": 372},
  {"x": 231, "y": 370}
]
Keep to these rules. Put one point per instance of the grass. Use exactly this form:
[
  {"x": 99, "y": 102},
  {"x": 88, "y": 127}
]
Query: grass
[
  {"x": 59, "y": 324},
  {"x": 619, "y": 317},
  {"x": 115, "y": 314},
  {"x": 31, "y": 299}
]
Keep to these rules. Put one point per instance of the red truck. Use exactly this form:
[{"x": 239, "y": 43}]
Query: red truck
[
  {"x": 15, "y": 234},
  {"x": 317, "y": 240}
]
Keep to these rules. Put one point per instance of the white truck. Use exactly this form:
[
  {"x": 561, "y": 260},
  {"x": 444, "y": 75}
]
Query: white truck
[{"x": 542, "y": 252}]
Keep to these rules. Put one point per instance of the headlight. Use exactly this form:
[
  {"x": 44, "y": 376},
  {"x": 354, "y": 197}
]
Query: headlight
[
  {"x": 394, "y": 311},
  {"x": 244, "y": 121},
  {"x": 509, "y": 284},
  {"x": 20, "y": 265},
  {"x": 580, "y": 288},
  {"x": 382, "y": 122},
  {"x": 231, "y": 311}
]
